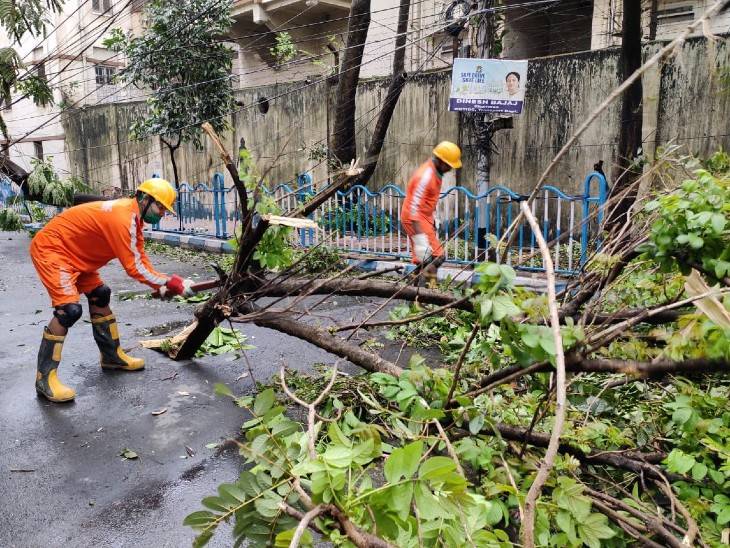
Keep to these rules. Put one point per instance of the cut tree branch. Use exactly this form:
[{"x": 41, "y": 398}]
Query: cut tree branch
[
  {"x": 230, "y": 166},
  {"x": 335, "y": 345}
]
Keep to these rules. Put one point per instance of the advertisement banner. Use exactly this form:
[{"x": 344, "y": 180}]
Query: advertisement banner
[{"x": 488, "y": 85}]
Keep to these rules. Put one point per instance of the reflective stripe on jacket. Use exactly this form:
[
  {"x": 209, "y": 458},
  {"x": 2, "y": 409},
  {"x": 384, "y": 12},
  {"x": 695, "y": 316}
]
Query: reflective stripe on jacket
[{"x": 422, "y": 193}]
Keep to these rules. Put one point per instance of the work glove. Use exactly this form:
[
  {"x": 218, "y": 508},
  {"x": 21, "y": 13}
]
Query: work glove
[{"x": 176, "y": 285}]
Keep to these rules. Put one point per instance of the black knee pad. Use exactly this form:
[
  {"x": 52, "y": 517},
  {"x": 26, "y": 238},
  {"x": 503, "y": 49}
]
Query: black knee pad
[
  {"x": 100, "y": 296},
  {"x": 68, "y": 314}
]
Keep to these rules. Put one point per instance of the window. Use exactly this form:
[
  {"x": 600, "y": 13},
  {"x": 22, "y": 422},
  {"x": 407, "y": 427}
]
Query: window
[
  {"x": 677, "y": 14},
  {"x": 104, "y": 75},
  {"x": 99, "y": 6},
  {"x": 38, "y": 149},
  {"x": 40, "y": 70}
]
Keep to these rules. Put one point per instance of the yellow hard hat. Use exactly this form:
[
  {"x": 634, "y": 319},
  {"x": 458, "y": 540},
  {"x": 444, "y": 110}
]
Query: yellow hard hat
[
  {"x": 160, "y": 190},
  {"x": 448, "y": 152}
]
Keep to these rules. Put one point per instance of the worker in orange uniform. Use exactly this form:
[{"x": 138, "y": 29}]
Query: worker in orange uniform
[
  {"x": 68, "y": 252},
  {"x": 417, "y": 213}
]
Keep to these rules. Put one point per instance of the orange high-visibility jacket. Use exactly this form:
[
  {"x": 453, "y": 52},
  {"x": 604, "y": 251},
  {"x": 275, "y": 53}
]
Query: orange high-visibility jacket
[
  {"x": 90, "y": 235},
  {"x": 422, "y": 194}
]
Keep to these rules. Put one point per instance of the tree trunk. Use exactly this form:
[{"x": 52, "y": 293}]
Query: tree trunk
[
  {"x": 626, "y": 171},
  {"x": 241, "y": 279},
  {"x": 397, "y": 83},
  {"x": 335, "y": 345},
  {"x": 172, "y": 148},
  {"x": 343, "y": 137}
]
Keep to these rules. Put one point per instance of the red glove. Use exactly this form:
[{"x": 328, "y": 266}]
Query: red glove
[{"x": 176, "y": 286}]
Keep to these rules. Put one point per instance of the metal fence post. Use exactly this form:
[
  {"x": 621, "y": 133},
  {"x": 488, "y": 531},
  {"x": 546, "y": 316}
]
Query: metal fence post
[
  {"x": 222, "y": 215},
  {"x": 587, "y": 200},
  {"x": 216, "y": 212}
]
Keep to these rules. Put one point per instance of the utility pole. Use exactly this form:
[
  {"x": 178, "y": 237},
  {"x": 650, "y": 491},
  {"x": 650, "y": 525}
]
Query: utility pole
[
  {"x": 626, "y": 170},
  {"x": 486, "y": 125}
]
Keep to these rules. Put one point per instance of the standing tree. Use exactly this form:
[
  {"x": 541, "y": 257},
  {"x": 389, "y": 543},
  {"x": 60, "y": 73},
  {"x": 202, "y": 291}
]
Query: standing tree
[
  {"x": 182, "y": 59},
  {"x": 19, "y": 18},
  {"x": 343, "y": 134}
]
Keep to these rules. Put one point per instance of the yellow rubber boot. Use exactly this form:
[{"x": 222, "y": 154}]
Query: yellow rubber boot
[
  {"x": 47, "y": 383},
  {"x": 106, "y": 335}
]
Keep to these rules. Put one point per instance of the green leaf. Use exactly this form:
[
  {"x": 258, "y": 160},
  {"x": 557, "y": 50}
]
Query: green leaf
[
  {"x": 436, "y": 468},
  {"x": 695, "y": 242},
  {"x": 475, "y": 424},
  {"x": 338, "y": 456},
  {"x": 679, "y": 462},
  {"x": 129, "y": 454},
  {"x": 283, "y": 539},
  {"x": 222, "y": 390},
  {"x": 427, "y": 504},
  {"x": 569, "y": 496},
  {"x": 593, "y": 529},
  {"x": 721, "y": 507},
  {"x": 264, "y": 401},
  {"x": 199, "y": 520},
  {"x": 399, "y": 499},
  {"x": 547, "y": 343},
  {"x": 231, "y": 494},
  {"x": 718, "y": 222},
  {"x": 699, "y": 471},
  {"x": 403, "y": 462},
  {"x": 503, "y": 306},
  {"x": 566, "y": 523}
]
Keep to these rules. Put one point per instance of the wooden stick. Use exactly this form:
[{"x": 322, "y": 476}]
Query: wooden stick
[{"x": 528, "y": 526}]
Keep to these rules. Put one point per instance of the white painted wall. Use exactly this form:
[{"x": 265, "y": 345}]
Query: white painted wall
[{"x": 69, "y": 52}]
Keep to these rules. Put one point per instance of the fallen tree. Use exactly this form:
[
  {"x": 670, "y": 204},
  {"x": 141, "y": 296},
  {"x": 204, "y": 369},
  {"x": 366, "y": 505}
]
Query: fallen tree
[{"x": 433, "y": 416}]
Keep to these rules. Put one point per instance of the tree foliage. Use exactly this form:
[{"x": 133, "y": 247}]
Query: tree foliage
[
  {"x": 18, "y": 18},
  {"x": 45, "y": 183},
  {"x": 182, "y": 59}
]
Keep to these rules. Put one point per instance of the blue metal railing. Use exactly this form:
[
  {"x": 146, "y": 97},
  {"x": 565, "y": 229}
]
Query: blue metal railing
[{"x": 362, "y": 221}]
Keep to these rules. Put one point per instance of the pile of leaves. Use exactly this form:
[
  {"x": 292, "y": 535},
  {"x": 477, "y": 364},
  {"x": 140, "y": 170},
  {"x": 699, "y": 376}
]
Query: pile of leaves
[{"x": 224, "y": 340}]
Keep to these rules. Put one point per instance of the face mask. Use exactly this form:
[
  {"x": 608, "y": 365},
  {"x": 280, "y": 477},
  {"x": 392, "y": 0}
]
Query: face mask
[
  {"x": 152, "y": 218},
  {"x": 149, "y": 216}
]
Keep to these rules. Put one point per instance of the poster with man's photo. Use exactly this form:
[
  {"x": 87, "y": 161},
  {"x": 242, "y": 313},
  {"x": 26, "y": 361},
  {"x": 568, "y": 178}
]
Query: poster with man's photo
[{"x": 488, "y": 85}]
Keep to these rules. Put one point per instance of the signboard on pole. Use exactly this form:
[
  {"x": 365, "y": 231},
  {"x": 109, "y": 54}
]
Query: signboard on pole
[{"x": 488, "y": 85}]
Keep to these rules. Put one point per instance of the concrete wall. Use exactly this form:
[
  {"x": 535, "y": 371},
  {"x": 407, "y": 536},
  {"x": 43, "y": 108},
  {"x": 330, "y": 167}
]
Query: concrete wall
[{"x": 682, "y": 102}]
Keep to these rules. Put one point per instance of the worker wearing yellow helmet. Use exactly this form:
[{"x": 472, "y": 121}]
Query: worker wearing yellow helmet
[
  {"x": 67, "y": 254},
  {"x": 419, "y": 206}
]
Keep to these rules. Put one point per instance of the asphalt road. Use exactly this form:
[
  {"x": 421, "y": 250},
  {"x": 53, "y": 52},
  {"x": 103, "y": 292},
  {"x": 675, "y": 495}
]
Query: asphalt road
[{"x": 62, "y": 479}]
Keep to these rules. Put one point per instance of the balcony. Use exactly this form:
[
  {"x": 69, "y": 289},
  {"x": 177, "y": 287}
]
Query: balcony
[{"x": 310, "y": 23}]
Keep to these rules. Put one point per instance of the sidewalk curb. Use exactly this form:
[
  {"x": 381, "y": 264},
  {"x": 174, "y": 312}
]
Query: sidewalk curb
[{"x": 456, "y": 273}]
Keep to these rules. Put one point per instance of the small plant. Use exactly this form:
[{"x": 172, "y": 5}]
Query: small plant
[
  {"x": 274, "y": 250},
  {"x": 360, "y": 220},
  {"x": 10, "y": 220},
  {"x": 322, "y": 259},
  {"x": 284, "y": 50}
]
